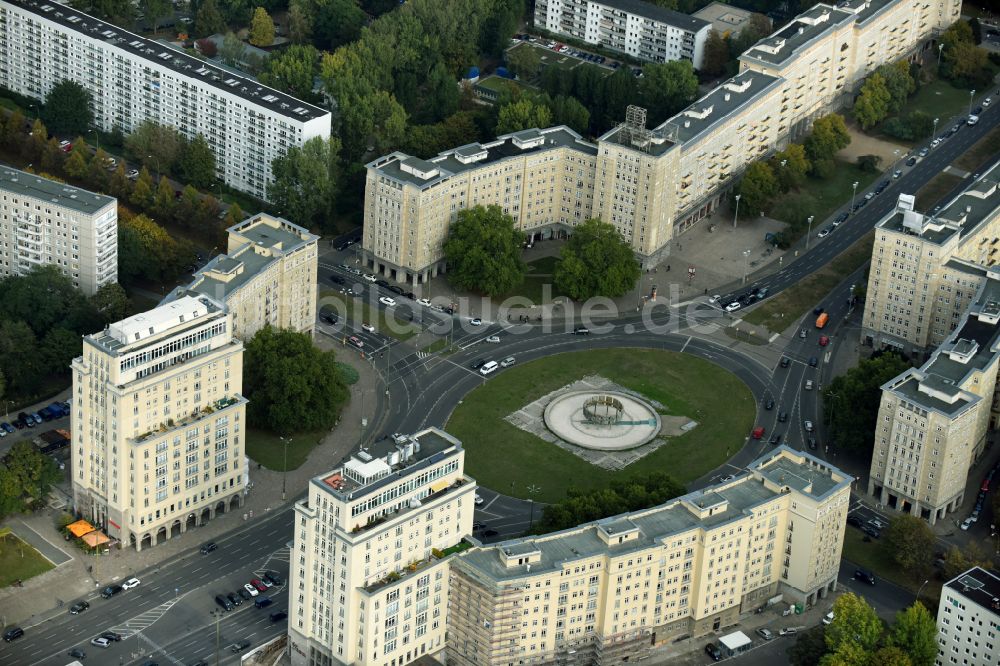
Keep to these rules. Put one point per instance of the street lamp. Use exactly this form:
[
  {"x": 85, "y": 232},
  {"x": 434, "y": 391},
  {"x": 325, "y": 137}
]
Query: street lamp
[
  {"x": 940, "y": 48},
  {"x": 97, "y": 137},
  {"x": 854, "y": 194},
  {"x": 157, "y": 159},
  {"x": 934, "y": 132},
  {"x": 533, "y": 490},
  {"x": 809, "y": 232},
  {"x": 737, "y": 215},
  {"x": 284, "y": 467},
  {"x": 746, "y": 258},
  {"x": 972, "y": 93},
  {"x": 920, "y": 589}
]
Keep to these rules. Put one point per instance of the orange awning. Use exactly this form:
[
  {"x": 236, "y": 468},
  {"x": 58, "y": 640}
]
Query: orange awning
[
  {"x": 80, "y": 527},
  {"x": 95, "y": 538}
]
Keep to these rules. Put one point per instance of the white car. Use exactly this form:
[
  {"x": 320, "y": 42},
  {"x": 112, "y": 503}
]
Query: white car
[
  {"x": 809, "y": 385},
  {"x": 385, "y": 300},
  {"x": 424, "y": 302},
  {"x": 493, "y": 338},
  {"x": 132, "y": 174},
  {"x": 251, "y": 589},
  {"x": 100, "y": 642},
  {"x": 967, "y": 523},
  {"x": 368, "y": 327},
  {"x": 369, "y": 277},
  {"x": 733, "y": 307},
  {"x": 808, "y": 425},
  {"x": 476, "y": 321},
  {"x": 479, "y": 500},
  {"x": 507, "y": 362},
  {"x": 828, "y": 618},
  {"x": 714, "y": 299},
  {"x": 130, "y": 583},
  {"x": 987, "y": 102}
]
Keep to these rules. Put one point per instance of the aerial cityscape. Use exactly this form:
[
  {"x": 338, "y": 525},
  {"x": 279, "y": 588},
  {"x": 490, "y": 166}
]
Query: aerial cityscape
[{"x": 495, "y": 333}]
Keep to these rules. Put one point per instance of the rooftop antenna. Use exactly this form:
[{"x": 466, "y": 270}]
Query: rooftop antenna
[{"x": 634, "y": 129}]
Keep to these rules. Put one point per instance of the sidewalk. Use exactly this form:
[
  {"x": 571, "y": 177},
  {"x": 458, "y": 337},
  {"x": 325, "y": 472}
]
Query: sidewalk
[{"x": 81, "y": 574}]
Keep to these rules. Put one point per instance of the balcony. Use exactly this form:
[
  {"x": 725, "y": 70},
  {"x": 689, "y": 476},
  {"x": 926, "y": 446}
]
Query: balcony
[
  {"x": 417, "y": 566},
  {"x": 194, "y": 417},
  {"x": 389, "y": 515}
]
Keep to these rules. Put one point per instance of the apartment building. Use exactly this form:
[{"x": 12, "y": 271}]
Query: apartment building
[
  {"x": 369, "y": 568},
  {"x": 640, "y": 29},
  {"x": 651, "y": 183},
  {"x": 267, "y": 276},
  {"x": 133, "y": 79},
  {"x": 968, "y": 620},
  {"x": 608, "y": 591},
  {"x": 927, "y": 268},
  {"x": 43, "y": 222},
  {"x": 725, "y": 19},
  {"x": 156, "y": 422}
]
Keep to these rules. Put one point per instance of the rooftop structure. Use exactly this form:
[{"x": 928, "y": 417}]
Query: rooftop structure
[
  {"x": 725, "y": 19},
  {"x": 968, "y": 619}
]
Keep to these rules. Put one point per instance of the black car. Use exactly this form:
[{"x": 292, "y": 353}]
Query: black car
[
  {"x": 77, "y": 653},
  {"x": 855, "y": 521},
  {"x": 207, "y": 548},
  {"x": 813, "y": 361},
  {"x": 713, "y": 651},
  {"x": 12, "y": 634},
  {"x": 782, "y": 417},
  {"x": 840, "y": 218},
  {"x": 274, "y": 578},
  {"x": 775, "y": 439},
  {"x": 240, "y": 646},
  {"x": 911, "y": 161},
  {"x": 112, "y": 636},
  {"x": 234, "y": 599},
  {"x": 490, "y": 533},
  {"x": 396, "y": 289},
  {"x": 410, "y": 295},
  {"x": 382, "y": 283},
  {"x": 785, "y": 362},
  {"x": 278, "y": 616},
  {"x": 811, "y": 441},
  {"x": 223, "y": 602},
  {"x": 871, "y": 531},
  {"x": 580, "y": 330},
  {"x": 78, "y": 607},
  {"x": 881, "y": 187},
  {"x": 336, "y": 279},
  {"x": 864, "y": 576},
  {"x": 328, "y": 317},
  {"x": 246, "y": 596},
  {"x": 110, "y": 591},
  {"x": 478, "y": 363},
  {"x": 769, "y": 405},
  {"x": 977, "y": 110}
]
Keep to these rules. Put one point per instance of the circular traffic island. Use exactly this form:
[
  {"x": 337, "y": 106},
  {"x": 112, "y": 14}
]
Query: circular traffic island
[{"x": 583, "y": 420}]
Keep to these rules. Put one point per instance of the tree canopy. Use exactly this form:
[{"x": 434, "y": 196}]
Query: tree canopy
[
  {"x": 829, "y": 134},
  {"x": 146, "y": 250},
  {"x": 68, "y": 109},
  {"x": 305, "y": 181},
  {"x": 911, "y": 541},
  {"x": 197, "y": 163},
  {"x": 292, "y": 385},
  {"x": 855, "y": 629},
  {"x": 915, "y": 634},
  {"x": 596, "y": 261},
  {"x": 261, "y": 28},
  {"x": 851, "y": 401},
  {"x": 521, "y": 115},
  {"x": 666, "y": 88},
  {"x": 155, "y": 146},
  {"x": 25, "y": 479},
  {"x": 758, "y": 188},
  {"x": 622, "y": 495},
  {"x": 483, "y": 251}
]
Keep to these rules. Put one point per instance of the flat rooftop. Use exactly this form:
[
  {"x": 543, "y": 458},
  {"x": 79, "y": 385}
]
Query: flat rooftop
[
  {"x": 150, "y": 324},
  {"x": 978, "y": 586},
  {"x": 785, "y": 44},
  {"x": 24, "y": 184},
  {"x": 724, "y": 18},
  {"x": 274, "y": 233},
  {"x": 656, "y": 13},
  {"x": 659, "y": 524},
  {"x": 427, "y": 173},
  {"x": 172, "y": 58}
]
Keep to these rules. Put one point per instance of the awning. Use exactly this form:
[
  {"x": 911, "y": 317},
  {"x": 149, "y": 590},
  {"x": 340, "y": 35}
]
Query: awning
[
  {"x": 735, "y": 640},
  {"x": 80, "y": 527},
  {"x": 95, "y": 538},
  {"x": 440, "y": 485}
]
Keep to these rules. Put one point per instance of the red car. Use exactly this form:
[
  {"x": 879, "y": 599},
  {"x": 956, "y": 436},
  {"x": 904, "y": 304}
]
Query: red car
[
  {"x": 823, "y": 341},
  {"x": 758, "y": 432},
  {"x": 258, "y": 584}
]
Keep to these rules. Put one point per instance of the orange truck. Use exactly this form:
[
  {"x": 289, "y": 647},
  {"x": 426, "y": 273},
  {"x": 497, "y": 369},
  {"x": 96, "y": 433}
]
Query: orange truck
[{"x": 822, "y": 319}]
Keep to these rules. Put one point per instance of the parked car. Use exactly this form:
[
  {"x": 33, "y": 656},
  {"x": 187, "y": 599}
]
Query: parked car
[
  {"x": 580, "y": 330},
  {"x": 274, "y": 578},
  {"x": 713, "y": 651},
  {"x": 385, "y": 300},
  {"x": 855, "y": 521},
  {"x": 258, "y": 584},
  {"x": 864, "y": 576},
  {"x": 476, "y": 321},
  {"x": 507, "y": 362},
  {"x": 234, "y": 599},
  {"x": 478, "y": 363},
  {"x": 809, "y": 385},
  {"x": 100, "y": 642},
  {"x": 785, "y": 361},
  {"x": 808, "y": 425},
  {"x": 239, "y": 646},
  {"x": 131, "y": 583},
  {"x": 910, "y": 162},
  {"x": 811, "y": 442},
  {"x": 112, "y": 636},
  {"x": 765, "y": 633},
  {"x": 369, "y": 328},
  {"x": 824, "y": 232},
  {"x": 12, "y": 634},
  {"x": 110, "y": 591},
  {"x": 828, "y": 618},
  {"x": 967, "y": 523},
  {"x": 244, "y": 595},
  {"x": 734, "y": 306},
  {"x": 871, "y": 531},
  {"x": 837, "y": 221},
  {"x": 78, "y": 607}
]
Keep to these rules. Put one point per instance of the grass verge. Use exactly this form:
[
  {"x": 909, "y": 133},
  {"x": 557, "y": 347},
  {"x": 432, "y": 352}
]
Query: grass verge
[
  {"x": 986, "y": 147},
  {"x": 268, "y": 449},
  {"x": 742, "y": 334},
  {"x": 874, "y": 555},
  {"x": 506, "y": 458},
  {"x": 19, "y": 561},
  {"x": 819, "y": 198},
  {"x": 435, "y": 346},
  {"x": 939, "y": 185},
  {"x": 783, "y": 310}
]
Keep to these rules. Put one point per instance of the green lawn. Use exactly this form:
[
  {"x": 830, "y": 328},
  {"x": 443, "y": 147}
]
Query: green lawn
[
  {"x": 874, "y": 555},
  {"x": 939, "y": 185},
  {"x": 360, "y": 311},
  {"x": 549, "y": 57},
  {"x": 819, "y": 198},
  {"x": 268, "y": 450},
  {"x": 543, "y": 266},
  {"x": 986, "y": 147},
  {"x": 19, "y": 561},
  {"x": 939, "y": 99},
  {"x": 783, "y": 310},
  {"x": 503, "y": 457}
]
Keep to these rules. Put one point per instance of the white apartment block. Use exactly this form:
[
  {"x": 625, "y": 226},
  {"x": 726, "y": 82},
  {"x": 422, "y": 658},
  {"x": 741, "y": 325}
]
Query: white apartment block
[
  {"x": 157, "y": 422},
  {"x": 266, "y": 277},
  {"x": 927, "y": 268},
  {"x": 650, "y": 183},
  {"x": 640, "y": 29},
  {"x": 968, "y": 620},
  {"x": 368, "y": 577},
  {"x": 608, "y": 591},
  {"x": 43, "y": 222},
  {"x": 133, "y": 79}
]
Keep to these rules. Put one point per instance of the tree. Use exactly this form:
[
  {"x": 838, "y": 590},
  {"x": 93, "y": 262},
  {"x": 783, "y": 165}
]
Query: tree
[
  {"x": 869, "y": 163},
  {"x": 261, "y": 28},
  {"x": 915, "y": 633},
  {"x": 155, "y": 11},
  {"x": 232, "y": 49},
  {"x": 809, "y": 647},
  {"x": 67, "y": 109},
  {"x": 120, "y": 186},
  {"x": 58, "y": 348},
  {"x": 337, "y": 22},
  {"x": 19, "y": 357},
  {"x": 155, "y": 145},
  {"x": 911, "y": 541},
  {"x": 790, "y": 166},
  {"x": 207, "y": 47},
  {"x": 483, "y": 251},
  {"x": 305, "y": 180},
  {"x": 851, "y": 401},
  {"x": 292, "y": 70},
  {"x": 291, "y": 384},
  {"x": 872, "y": 104},
  {"x": 715, "y": 54},
  {"x": 185, "y": 209},
  {"x": 208, "y": 20},
  {"x": 890, "y": 656},
  {"x": 97, "y": 170},
  {"x": 757, "y": 188},
  {"x": 596, "y": 261},
  {"x": 111, "y": 302},
  {"x": 976, "y": 29},
  {"x": 758, "y": 27},
  {"x": 667, "y": 88},
  {"x": 163, "y": 200},
  {"x": 146, "y": 250},
  {"x": 44, "y": 298},
  {"x": 958, "y": 560},
  {"x": 76, "y": 164},
  {"x": 623, "y": 495},
  {"x": 234, "y": 215},
  {"x": 829, "y": 134},
  {"x": 855, "y": 625},
  {"x": 197, "y": 164},
  {"x": 568, "y": 111},
  {"x": 27, "y": 479},
  {"x": 13, "y": 131},
  {"x": 38, "y": 139},
  {"x": 899, "y": 83},
  {"x": 524, "y": 61},
  {"x": 142, "y": 191},
  {"x": 521, "y": 115},
  {"x": 300, "y": 21},
  {"x": 442, "y": 93}
]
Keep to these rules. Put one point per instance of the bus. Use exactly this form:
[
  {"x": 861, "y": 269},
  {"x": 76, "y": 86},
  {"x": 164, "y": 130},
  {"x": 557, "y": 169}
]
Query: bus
[{"x": 822, "y": 319}]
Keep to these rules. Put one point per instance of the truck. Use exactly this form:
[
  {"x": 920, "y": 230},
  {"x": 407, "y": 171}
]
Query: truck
[
  {"x": 973, "y": 119},
  {"x": 52, "y": 441},
  {"x": 822, "y": 319}
]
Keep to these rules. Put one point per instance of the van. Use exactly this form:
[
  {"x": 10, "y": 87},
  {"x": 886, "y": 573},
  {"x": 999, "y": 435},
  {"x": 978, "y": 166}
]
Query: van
[
  {"x": 488, "y": 368},
  {"x": 262, "y": 602},
  {"x": 822, "y": 319},
  {"x": 223, "y": 602}
]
